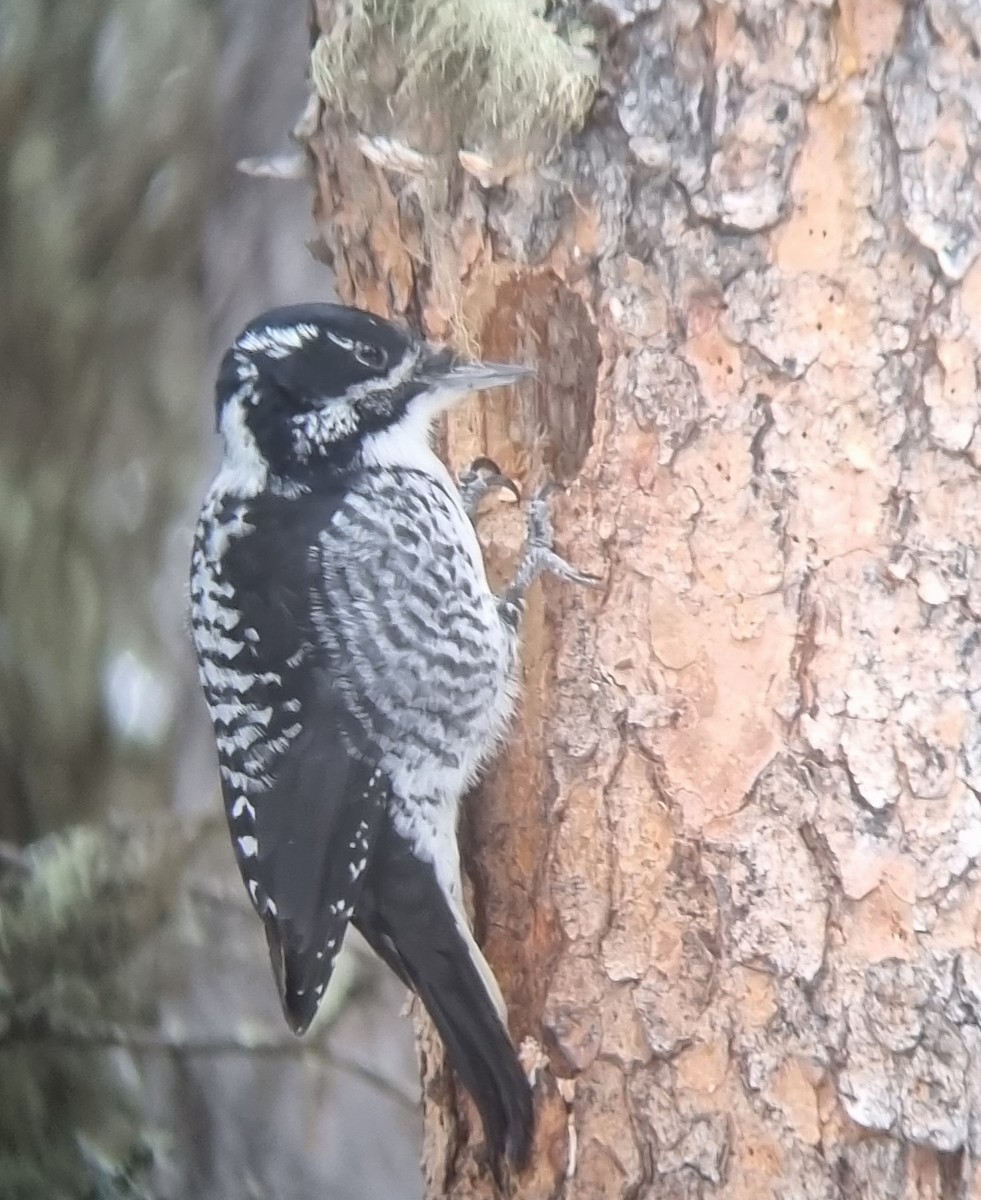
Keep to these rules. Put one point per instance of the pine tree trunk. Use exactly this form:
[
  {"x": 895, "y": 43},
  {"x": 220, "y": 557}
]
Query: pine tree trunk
[{"x": 726, "y": 870}]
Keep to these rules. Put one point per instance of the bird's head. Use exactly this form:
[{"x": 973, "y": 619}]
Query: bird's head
[{"x": 320, "y": 382}]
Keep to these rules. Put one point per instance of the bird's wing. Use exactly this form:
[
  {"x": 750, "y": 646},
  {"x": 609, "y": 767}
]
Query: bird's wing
[
  {"x": 303, "y": 792},
  {"x": 315, "y": 830}
]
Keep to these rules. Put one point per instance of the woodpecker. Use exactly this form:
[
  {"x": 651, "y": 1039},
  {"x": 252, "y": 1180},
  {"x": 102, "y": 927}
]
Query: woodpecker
[{"x": 358, "y": 668}]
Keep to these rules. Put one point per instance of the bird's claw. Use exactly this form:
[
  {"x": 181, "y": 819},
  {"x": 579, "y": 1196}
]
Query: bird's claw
[
  {"x": 538, "y": 556},
  {"x": 482, "y": 476},
  {"x": 540, "y": 540}
]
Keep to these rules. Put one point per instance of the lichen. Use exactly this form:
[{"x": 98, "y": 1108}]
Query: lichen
[
  {"x": 455, "y": 75},
  {"x": 89, "y": 897},
  {"x": 74, "y": 907}
]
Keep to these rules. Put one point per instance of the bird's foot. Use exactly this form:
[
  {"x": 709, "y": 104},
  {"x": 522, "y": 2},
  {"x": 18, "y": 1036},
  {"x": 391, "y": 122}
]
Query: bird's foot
[
  {"x": 538, "y": 556},
  {"x": 482, "y": 476}
]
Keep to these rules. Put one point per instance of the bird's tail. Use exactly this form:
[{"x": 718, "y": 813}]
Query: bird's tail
[{"x": 410, "y": 923}]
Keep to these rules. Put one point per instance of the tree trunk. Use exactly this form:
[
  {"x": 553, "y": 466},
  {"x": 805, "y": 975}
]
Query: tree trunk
[{"x": 726, "y": 870}]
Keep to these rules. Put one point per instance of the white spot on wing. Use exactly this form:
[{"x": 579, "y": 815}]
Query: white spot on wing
[
  {"x": 242, "y": 807},
  {"x": 248, "y": 845},
  {"x": 237, "y": 780},
  {"x": 240, "y": 738}
]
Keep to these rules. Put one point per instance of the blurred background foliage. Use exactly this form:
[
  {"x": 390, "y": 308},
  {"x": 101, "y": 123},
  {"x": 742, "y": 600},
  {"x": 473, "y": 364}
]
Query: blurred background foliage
[{"x": 142, "y": 1053}]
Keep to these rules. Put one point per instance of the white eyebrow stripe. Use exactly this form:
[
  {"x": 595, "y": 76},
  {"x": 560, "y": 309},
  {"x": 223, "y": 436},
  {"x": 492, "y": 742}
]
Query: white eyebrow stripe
[
  {"x": 386, "y": 383},
  {"x": 343, "y": 342}
]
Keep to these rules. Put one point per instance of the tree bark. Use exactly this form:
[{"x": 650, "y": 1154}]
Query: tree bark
[{"x": 727, "y": 868}]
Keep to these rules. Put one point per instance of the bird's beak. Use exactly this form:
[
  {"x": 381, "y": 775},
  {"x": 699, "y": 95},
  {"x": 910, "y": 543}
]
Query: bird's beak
[{"x": 441, "y": 368}]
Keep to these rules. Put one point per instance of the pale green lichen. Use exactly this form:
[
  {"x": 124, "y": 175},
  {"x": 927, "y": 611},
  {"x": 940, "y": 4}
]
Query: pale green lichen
[
  {"x": 88, "y": 897},
  {"x": 74, "y": 907},
  {"x": 451, "y": 75}
]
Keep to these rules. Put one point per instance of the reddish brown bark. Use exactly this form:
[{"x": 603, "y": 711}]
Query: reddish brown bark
[{"x": 727, "y": 869}]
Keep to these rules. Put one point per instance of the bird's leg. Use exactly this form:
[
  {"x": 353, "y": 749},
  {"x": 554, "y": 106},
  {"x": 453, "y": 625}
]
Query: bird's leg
[
  {"x": 482, "y": 476},
  {"x": 538, "y": 557}
]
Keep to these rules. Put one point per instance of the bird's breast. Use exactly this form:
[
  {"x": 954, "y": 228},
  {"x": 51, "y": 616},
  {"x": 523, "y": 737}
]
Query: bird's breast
[{"x": 428, "y": 661}]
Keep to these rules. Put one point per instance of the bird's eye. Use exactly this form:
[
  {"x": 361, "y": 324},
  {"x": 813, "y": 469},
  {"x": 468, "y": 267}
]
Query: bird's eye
[{"x": 370, "y": 356}]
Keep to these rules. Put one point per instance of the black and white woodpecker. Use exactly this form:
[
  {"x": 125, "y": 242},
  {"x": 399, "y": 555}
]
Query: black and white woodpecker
[{"x": 358, "y": 668}]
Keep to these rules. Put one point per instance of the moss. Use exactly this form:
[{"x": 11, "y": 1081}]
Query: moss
[{"x": 447, "y": 75}]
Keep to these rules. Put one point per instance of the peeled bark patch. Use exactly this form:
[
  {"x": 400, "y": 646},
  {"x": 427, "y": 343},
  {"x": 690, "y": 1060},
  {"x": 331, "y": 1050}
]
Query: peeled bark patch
[{"x": 542, "y": 322}]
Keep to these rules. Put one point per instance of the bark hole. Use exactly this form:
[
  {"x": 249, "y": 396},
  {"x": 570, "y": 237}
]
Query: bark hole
[{"x": 543, "y": 322}]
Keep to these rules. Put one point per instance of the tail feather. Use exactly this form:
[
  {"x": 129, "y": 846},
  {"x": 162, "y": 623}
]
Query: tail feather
[
  {"x": 407, "y": 920},
  {"x": 484, "y": 1057},
  {"x": 300, "y": 977}
]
